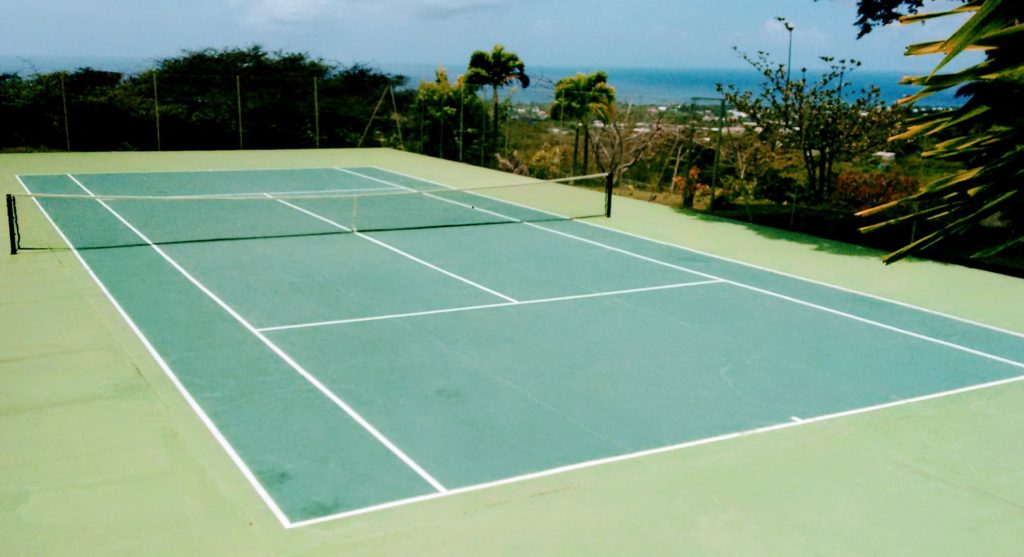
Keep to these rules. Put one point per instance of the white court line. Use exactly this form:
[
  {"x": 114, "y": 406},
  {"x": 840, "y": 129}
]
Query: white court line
[
  {"x": 727, "y": 259},
  {"x": 396, "y": 250},
  {"x": 812, "y": 305},
  {"x": 381, "y": 438},
  {"x": 486, "y": 306},
  {"x": 658, "y": 450},
  {"x": 299, "y": 192},
  {"x": 451, "y": 201},
  {"x": 203, "y": 417},
  {"x": 195, "y": 171},
  {"x": 597, "y": 462}
]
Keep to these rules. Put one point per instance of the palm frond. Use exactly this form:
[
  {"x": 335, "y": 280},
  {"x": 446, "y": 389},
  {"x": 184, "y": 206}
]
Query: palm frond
[{"x": 986, "y": 133}]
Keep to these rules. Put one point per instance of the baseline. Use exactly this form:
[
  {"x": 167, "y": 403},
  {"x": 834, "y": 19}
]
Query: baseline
[
  {"x": 738, "y": 284},
  {"x": 380, "y": 437},
  {"x": 791, "y": 423},
  {"x": 247, "y": 473}
]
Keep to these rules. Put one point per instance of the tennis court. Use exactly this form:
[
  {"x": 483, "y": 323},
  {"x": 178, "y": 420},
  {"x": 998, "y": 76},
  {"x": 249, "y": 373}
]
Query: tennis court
[{"x": 357, "y": 338}]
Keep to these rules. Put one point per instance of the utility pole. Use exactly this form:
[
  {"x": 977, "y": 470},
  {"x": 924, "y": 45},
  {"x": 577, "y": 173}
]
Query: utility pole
[{"x": 789, "y": 56}]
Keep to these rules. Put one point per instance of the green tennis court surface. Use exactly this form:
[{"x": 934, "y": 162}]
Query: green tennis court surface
[{"x": 347, "y": 371}]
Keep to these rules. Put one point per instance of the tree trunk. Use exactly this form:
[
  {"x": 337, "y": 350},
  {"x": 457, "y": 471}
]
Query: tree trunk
[
  {"x": 812, "y": 181},
  {"x": 826, "y": 180}
]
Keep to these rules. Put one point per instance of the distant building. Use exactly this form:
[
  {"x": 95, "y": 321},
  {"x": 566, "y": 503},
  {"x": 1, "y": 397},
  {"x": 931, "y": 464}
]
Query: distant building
[{"x": 884, "y": 156}]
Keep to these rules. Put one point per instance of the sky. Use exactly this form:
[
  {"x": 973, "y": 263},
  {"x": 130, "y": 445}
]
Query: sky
[{"x": 573, "y": 33}]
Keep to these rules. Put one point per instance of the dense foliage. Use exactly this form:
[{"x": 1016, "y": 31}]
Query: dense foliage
[
  {"x": 985, "y": 135},
  {"x": 206, "y": 99},
  {"x": 451, "y": 118},
  {"x": 794, "y": 142},
  {"x": 821, "y": 120}
]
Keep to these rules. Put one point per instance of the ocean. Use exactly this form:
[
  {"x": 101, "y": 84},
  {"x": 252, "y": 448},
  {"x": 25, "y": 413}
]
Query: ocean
[
  {"x": 662, "y": 86},
  {"x": 650, "y": 86}
]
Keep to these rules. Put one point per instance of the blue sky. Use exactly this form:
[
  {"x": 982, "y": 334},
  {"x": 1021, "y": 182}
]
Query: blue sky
[{"x": 585, "y": 33}]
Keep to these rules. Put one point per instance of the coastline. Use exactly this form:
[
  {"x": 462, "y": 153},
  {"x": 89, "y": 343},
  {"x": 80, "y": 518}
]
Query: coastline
[{"x": 635, "y": 85}]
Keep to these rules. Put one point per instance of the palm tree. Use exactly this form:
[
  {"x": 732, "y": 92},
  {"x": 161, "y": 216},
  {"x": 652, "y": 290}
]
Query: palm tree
[
  {"x": 497, "y": 69},
  {"x": 580, "y": 98},
  {"x": 985, "y": 134}
]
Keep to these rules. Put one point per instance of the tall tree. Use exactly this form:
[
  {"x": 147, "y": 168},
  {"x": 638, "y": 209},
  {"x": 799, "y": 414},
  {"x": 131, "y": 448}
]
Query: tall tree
[
  {"x": 580, "y": 98},
  {"x": 496, "y": 69},
  {"x": 821, "y": 119},
  {"x": 625, "y": 141},
  {"x": 985, "y": 134}
]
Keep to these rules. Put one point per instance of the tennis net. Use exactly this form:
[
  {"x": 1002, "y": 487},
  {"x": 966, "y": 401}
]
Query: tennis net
[{"x": 62, "y": 221}]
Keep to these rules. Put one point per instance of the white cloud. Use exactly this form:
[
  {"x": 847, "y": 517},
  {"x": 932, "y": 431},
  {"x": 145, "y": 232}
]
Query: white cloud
[
  {"x": 449, "y": 8},
  {"x": 286, "y": 12},
  {"x": 263, "y": 12}
]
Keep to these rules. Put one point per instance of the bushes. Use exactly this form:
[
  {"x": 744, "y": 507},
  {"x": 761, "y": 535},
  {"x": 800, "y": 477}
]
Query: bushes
[{"x": 860, "y": 190}]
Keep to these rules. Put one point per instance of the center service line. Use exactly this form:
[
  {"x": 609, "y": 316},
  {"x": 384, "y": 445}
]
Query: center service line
[
  {"x": 277, "y": 350},
  {"x": 396, "y": 250}
]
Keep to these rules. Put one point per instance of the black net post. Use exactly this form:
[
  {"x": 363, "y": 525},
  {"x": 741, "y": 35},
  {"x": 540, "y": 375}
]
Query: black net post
[
  {"x": 609, "y": 183},
  {"x": 12, "y": 220}
]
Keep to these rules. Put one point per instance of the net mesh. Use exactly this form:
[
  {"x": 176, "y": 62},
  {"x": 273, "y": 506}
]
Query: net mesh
[{"x": 59, "y": 221}]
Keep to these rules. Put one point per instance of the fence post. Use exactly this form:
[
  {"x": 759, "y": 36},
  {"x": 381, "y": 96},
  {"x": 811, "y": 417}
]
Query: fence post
[
  {"x": 316, "y": 112},
  {"x": 238, "y": 98},
  {"x": 64, "y": 103},
  {"x": 156, "y": 113},
  {"x": 718, "y": 155},
  {"x": 462, "y": 111},
  {"x": 12, "y": 219},
  {"x": 609, "y": 185},
  {"x": 395, "y": 116}
]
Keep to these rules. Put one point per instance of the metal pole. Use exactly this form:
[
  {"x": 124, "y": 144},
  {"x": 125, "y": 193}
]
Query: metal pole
[
  {"x": 316, "y": 112},
  {"x": 238, "y": 98},
  {"x": 789, "y": 55},
  {"x": 396, "y": 117},
  {"x": 419, "y": 114},
  {"x": 12, "y": 219},
  {"x": 483, "y": 137},
  {"x": 687, "y": 186},
  {"x": 64, "y": 103},
  {"x": 718, "y": 144},
  {"x": 508, "y": 124},
  {"x": 462, "y": 111},
  {"x": 718, "y": 154},
  {"x": 156, "y": 113},
  {"x": 369, "y": 123},
  {"x": 609, "y": 184}
]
